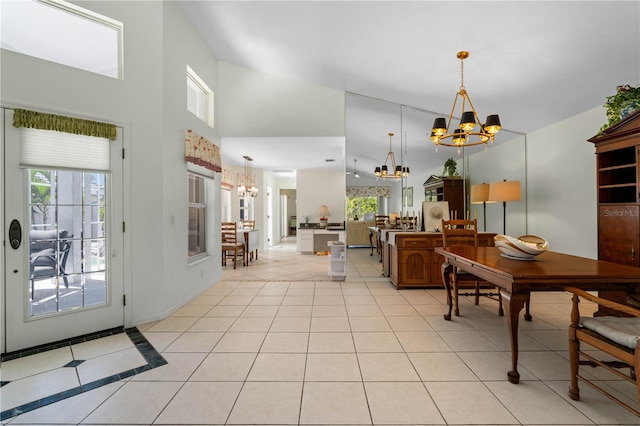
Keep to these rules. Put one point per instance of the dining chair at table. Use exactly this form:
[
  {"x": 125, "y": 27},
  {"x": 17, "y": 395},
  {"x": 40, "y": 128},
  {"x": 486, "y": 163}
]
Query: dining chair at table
[
  {"x": 381, "y": 222},
  {"x": 460, "y": 232},
  {"x": 618, "y": 337},
  {"x": 232, "y": 248},
  {"x": 249, "y": 224}
]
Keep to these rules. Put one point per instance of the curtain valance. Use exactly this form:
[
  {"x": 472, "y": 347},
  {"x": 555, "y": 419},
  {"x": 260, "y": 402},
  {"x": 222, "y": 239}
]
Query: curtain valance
[
  {"x": 202, "y": 152},
  {"x": 61, "y": 123},
  {"x": 227, "y": 179},
  {"x": 369, "y": 191}
]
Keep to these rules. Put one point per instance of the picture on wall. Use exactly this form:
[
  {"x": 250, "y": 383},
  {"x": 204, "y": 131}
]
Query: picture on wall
[
  {"x": 407, "y": 194},
  {"x": 433, "y": 213}
]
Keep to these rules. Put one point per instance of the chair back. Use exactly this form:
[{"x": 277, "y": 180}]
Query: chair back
[
  {"x": 249, "y": 224},
  {"x": 410, "y": 221},
  {"x": 229, "y": 233},
  {"x": 381, "y": 220},
  {"x": 460, "y": 232}
]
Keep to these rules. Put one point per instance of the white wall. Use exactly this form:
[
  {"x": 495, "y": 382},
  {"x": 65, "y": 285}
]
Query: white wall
[
  {"x": 182, "y": 46},
  {"x": 263, "y": 105},
  {"x": 150, "y": 104},
  {"x": 318, "y": 187},
  {"x": 561, "y": 169}
]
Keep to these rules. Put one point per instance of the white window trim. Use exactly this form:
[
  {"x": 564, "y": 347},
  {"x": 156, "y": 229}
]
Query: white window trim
[{"x": 209, "y": 116}]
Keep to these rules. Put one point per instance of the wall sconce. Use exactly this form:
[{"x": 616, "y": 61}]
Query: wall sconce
[{"x": 505, "y": 191}]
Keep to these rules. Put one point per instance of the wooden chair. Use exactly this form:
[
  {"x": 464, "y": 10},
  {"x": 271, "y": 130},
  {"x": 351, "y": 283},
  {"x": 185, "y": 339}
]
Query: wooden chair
[
  {"x": 231, "y": 247},
  {"x": 250, "y": 225},
  {"x": 617, "y": 337},
  {"x": 381, "y": 222},
  {"x": 459, "y": 232}
]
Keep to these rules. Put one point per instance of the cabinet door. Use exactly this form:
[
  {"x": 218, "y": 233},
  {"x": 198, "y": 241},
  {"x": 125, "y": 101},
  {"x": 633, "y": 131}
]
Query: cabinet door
[
  {"x": 618, "y": 238},
  {"x": 414, "y": 267}
]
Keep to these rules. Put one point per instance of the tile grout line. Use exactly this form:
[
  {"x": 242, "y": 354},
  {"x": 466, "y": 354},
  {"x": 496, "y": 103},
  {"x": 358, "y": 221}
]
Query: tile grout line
[{"x": 146, "y": 350}]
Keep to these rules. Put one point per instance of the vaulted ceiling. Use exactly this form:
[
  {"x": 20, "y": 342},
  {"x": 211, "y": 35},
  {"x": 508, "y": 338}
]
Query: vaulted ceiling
[{"x": 533, "y": 62}]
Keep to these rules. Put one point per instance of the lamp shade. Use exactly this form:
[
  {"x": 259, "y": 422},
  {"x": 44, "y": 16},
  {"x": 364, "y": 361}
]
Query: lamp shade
[
  {"x": 439, "y": 126},
  {"x": 467, "y": 121},
  {"x": 324, "y": 211},
  {"x": 480, "y": 193},
  {"x": 504, "y": 191},
  {"x": 492, "y": 125}
]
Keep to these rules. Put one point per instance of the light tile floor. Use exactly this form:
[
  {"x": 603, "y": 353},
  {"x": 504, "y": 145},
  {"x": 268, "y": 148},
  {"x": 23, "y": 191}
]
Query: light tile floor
[{"x": 277, "y": 343}]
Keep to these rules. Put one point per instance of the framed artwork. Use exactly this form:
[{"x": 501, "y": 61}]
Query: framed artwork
[
  {"x": 433, "y": 213},
  {"x": 407, "y": 194}
]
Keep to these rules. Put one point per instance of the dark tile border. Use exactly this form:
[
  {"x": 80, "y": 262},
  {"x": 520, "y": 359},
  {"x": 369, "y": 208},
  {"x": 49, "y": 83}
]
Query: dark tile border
[{"x": 148, "y": 352}]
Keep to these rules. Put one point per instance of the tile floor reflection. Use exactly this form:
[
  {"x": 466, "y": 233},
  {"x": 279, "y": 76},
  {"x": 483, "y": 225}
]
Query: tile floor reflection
[{"x": 277, "y": 343}]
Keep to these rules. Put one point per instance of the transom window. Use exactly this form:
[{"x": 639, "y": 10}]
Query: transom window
[
  {"x": 61, "y": 32},
  {"x": 199, "y": 97}
]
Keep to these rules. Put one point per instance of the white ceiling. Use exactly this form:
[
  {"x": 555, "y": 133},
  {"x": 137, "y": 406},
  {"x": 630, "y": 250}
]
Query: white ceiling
[{"x": 534, "y": 63}]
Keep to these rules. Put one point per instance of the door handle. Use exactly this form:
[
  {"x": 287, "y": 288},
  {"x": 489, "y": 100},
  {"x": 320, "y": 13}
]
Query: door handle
[{"x": 15, "y": 234}]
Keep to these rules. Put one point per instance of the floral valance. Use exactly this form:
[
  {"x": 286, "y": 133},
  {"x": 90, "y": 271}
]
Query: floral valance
[
  {"x": 62, "y": 123},
  {"x": 227, "y": 179},
  {"x": 369, "y": 191},
  {"x": 202, "y": 152}
]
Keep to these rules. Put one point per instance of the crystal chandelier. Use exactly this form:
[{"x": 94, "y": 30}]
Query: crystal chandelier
[
  {"x": 464, "y": 134},
  {"x": 397, "y": 171},
  {"x": 246, "y": 181}
]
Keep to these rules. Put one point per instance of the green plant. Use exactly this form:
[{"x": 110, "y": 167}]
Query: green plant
[
  {"x": 625, "y": 100},
  {"x": 450, "y": 168}
]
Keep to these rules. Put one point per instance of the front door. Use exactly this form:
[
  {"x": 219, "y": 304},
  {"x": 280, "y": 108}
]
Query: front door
[{"x": 65, "y": 278}]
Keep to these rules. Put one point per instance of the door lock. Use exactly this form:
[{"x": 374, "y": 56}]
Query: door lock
[{"x": 15, "y": 234}]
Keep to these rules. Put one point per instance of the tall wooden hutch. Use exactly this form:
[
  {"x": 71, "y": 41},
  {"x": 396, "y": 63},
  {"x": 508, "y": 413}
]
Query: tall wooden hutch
[
  {"x": 451, "y": 189},
  {"x": 618, "y": 180}
]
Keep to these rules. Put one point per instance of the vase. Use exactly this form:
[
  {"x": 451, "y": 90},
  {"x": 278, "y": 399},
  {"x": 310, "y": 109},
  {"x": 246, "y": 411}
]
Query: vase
[{"x": 628, "y": 108}]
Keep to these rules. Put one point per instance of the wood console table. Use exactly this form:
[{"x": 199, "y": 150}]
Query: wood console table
[
  {"x": 550, "y": 271},
  {"x": 411, "y": 258}
]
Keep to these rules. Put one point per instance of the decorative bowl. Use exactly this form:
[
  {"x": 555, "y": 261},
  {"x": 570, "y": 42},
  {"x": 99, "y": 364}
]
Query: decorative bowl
[{"x": 525, "y": 247}]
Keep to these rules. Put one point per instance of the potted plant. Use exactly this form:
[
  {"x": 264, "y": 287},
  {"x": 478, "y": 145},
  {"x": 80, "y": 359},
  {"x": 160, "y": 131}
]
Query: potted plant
[
  {"x": 450, "y": 168},
  {"x": 624, "y": 102}
]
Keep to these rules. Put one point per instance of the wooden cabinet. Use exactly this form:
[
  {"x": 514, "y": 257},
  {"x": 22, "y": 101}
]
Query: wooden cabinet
[
  {"x": 617, "y": 153},
  {"x": 413, "y": 262},
  {"x": 618, "y": 190},
  {"x": 451, "y": 189}
]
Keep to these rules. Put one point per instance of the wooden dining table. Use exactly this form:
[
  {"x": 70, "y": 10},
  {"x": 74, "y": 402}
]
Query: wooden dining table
[{"x": 516, "y": 279}]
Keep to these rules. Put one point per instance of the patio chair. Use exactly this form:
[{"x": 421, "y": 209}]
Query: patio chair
[{"x": 48, "y": 255}]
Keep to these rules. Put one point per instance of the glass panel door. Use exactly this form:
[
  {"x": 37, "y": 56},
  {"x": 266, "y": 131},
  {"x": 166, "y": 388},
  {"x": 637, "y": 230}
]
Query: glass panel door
[{"x": 65, "y": 279}]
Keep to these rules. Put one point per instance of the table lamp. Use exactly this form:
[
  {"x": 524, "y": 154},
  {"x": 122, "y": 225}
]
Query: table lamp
[
  {"x": 324, "y": 213},
  {"x": 505, "y": 191}
]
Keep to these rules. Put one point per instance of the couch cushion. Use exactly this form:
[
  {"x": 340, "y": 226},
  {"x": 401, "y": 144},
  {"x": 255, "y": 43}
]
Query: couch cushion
[{"x": 622, "y": 330}]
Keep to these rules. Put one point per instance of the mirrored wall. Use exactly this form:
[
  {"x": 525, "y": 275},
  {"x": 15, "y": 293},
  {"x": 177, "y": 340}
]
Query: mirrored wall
[{"x": 368, "y": 123}]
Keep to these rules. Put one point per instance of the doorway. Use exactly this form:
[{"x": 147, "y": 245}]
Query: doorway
[{"x": 64, "y": 277}]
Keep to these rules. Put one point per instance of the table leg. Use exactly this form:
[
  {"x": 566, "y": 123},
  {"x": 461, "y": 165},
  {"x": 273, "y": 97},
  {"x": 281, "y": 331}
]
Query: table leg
[
  {"x": 446, "y": 270},
  {"x": 371, "y": 243},
  {"x": 513, "y": 304}
]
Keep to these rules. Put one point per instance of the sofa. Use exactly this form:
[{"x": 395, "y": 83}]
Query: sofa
[{"x": 358, "y": 233}]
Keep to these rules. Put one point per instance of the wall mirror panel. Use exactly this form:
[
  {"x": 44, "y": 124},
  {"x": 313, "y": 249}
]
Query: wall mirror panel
[{"x": 368, "y": 122}]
